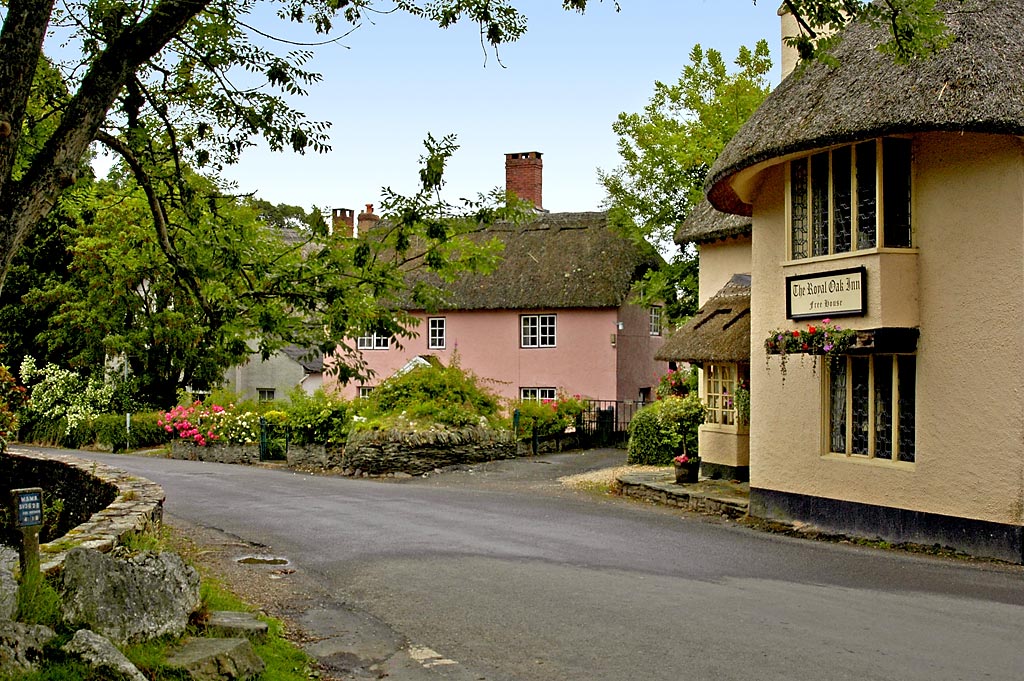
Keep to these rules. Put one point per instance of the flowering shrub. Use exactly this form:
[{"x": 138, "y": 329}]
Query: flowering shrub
[
  {"x": 682, "y": 459},
  {"x": 57, "y": 394},
  {"x": 823, "y": 339},
  {"x": 548, "y": 417},
  {"x": 202, "y": 425},
  {"x": 677, "y": 382},
  {"x": 12, "y": 396}
]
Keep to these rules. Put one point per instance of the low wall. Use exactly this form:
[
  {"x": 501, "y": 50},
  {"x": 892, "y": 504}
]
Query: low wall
[
  {"x": 415, "y": 453},
  {"x": 122, "y": 503},
  {"x": 216, "y": 453}
]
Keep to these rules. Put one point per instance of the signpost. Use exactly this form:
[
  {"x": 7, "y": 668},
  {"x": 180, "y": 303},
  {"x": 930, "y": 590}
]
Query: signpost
[{"x": 28, "y": 517}]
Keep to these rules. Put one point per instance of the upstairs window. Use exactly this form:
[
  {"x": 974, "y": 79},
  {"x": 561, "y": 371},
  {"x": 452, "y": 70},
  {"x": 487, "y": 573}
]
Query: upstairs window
[
  {"x": 850, "y": 198},
  {"x": 374, "y": 341},
  {"x": 265, "y": 394},
  {"x": 655, "y": 320},
  {"x": 436, "y": 333},
  {"x": 537, "y": 331}
]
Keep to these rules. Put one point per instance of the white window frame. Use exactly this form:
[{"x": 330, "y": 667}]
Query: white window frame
[
  {"x": 265, "y": 394},
  {"x": 655, "y": 320},
  {"x": 436, "y": 333},
  {"x": 538, "y": 331},
  {"x": 538, "y": 394},
  {"x": 881, "y": 167},
  {"x": 896, "y": 391},
  {"x": 720, "y": 383},
  {"x": 374, "y": 341},
  {"x": 365, "y": 390}
]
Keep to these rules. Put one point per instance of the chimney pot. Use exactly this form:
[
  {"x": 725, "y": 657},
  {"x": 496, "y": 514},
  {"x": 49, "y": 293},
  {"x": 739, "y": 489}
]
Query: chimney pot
[
  {"x": 343, "y": 222},
  {"x": 367, "y": 220}
]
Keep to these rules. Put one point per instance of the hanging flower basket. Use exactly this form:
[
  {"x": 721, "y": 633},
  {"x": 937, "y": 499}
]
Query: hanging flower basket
[{"x": 824, "y": 339}]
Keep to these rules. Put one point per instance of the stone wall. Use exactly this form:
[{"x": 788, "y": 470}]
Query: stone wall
[
  {"x": 415, "y": 453},
  {"x": 120, "y": 503},
  {"x": 216, "y": 453}
]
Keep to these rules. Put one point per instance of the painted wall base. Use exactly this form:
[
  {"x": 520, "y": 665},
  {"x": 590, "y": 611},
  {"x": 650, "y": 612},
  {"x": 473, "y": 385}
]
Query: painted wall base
[
  {"x": 976, "y": 537},
  {"x": 721, "y": 471}
]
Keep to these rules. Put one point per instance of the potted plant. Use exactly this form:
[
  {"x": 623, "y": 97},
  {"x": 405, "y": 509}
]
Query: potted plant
[{"x": 687, "y": 468}]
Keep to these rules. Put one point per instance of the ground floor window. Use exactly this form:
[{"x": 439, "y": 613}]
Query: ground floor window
[
  {"x": 265, "y": 394},
  {"x": 871, "y": 402},
  {"x": 720, "y": 383},
  {"x": 365, "y": 390},
  {"x": 537, "y": 393}
]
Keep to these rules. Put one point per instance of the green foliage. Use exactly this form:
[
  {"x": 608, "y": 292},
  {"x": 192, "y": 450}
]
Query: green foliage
[
  {"x": 38, "y": 601},
  {"x": 318, "y": 418},
  {"x": 12, "y": 397},
  {"x": 146, "y": 431},
  {"x": 430, "y": 394},
  {"x": 668, "y": 427},
  {"x": 57, "y": 394},
  {"x": 667, "y": 150},
  {"x": 548, "y": 417},
  {"x": 677, "y": 382}
]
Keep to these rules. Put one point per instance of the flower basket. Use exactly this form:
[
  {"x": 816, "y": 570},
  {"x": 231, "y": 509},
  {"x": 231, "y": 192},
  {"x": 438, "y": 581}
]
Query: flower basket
[{"x": 687, "y": 469}]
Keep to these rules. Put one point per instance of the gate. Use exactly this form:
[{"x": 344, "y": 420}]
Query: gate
[
  {"x": 604, "y": 422},
  {"x": 274, "y": 441}
]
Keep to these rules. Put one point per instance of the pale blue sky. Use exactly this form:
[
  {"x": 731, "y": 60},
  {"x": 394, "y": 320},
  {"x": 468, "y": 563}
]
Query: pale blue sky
[{"x": 562, "y": 86}]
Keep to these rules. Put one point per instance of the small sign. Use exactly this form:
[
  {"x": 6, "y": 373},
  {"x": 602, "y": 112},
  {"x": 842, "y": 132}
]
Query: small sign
[
  {"x": 28, "y": 505},
  {"x": 839, "y": 293}
]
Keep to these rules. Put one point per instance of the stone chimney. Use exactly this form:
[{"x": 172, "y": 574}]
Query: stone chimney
[
  {"x": 343, "y": 222},
  {"x": 367, "y": 220},
  {"x": 524, "y": 176}
]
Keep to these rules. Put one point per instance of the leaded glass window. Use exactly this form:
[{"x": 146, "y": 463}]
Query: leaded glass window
[
  {"x": 871, "y": 406},
  {"x": 798, "y": 208}
]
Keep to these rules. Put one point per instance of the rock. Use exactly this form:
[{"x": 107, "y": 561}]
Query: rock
[
  {"x": 213, "y": 659},
  {"x": 101, "y": 654},
  {"x": 228, "y": 623},
  {"x": 8, "y": 585},
  {"x": 143, "y": 597},
  {"x": 21, "y": 645}
]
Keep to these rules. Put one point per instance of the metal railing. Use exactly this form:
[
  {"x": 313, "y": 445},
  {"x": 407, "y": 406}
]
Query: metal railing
[{"x": 605, "y": 421}]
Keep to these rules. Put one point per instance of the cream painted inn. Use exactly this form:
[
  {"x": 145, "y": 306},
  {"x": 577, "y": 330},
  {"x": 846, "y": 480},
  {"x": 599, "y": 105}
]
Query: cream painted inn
[{"x": 890, "y": 199}]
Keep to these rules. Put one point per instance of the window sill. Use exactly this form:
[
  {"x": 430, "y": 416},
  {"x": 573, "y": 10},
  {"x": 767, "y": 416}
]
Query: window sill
[
  {"x": 866, "y": 461},
  {"x": 849, "y": 256},
  {"x": 719, "y": 428}
]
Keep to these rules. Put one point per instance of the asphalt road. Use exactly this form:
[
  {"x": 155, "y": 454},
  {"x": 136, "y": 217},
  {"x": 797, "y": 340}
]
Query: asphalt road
[{"x": 493, "y": 575}]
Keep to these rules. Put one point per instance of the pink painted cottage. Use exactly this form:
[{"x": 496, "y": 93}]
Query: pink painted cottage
[{"x": 554, "y": 317}]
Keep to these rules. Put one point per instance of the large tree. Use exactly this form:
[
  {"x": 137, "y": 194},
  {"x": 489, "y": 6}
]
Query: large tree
[{"x": 667, "y": 150}]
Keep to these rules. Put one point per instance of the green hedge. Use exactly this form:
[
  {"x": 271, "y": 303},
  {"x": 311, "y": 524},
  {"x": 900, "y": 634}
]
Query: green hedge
[{"x": 146, "y": 432}]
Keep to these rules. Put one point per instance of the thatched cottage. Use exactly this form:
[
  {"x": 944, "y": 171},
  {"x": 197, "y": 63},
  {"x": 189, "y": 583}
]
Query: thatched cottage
[
  {"x": 890, "y": 198},
  {"x": 553, "y": 317},
  {"x": 717, "y": 338}
]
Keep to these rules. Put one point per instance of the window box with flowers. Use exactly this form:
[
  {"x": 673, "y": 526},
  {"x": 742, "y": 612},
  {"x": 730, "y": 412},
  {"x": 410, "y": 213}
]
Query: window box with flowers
[{"x": 824, "y": 339}]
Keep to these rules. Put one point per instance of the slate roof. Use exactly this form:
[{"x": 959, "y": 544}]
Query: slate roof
[
  {"x": 705, "y": 224},
  {"x": 719, "y": 332},
  {"x": 310, "y": 358},
  {"x": 556, "y": 261},
  {"x": 974, "y": 85}
]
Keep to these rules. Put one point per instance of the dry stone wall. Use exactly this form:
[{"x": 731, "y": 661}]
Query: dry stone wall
[{"x": 380, "y": 452}]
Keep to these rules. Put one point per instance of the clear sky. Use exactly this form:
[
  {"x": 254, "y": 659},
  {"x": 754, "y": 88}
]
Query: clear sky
[{"x": 557, "y": 91}]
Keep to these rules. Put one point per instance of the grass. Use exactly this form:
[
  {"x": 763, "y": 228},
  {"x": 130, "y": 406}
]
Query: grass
[{"x": 40, "y": 603}]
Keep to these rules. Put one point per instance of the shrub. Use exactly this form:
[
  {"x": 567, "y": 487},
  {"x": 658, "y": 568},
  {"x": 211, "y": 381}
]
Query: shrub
[
  {"x": 318, "y": 418},
  {"x": 548, "y": 417},
  {"x": 12, "y": 397},
  {"x": 147, "y": 431},
  {"x": 658, "y": 431},
  {"x": 431, "y": 394},
  {"x": 679, "y": 383},
  {"x": 59, "y": 394}
]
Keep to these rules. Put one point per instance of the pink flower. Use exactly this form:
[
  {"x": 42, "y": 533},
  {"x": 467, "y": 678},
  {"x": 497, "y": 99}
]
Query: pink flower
[
  {"x": 169, "y": 428},
  {"x": 826, "y": 320}
]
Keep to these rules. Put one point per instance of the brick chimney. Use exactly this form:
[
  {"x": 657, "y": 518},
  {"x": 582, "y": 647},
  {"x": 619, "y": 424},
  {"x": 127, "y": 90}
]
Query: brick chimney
[
  {"x": 524, "y": 176},
  {"x": 367, "y": 220},
  {"x": 343, "y": 222}
]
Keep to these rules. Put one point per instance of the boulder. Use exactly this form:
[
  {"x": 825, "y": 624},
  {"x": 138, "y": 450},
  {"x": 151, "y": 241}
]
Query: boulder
[
  {"x": 99, "y": 653},
  {"x": 21, "y": 645},
  {"x": 214, "y": 659},
  {"x": 8, "y": 585},
  {"x": 134, "y": 599}
]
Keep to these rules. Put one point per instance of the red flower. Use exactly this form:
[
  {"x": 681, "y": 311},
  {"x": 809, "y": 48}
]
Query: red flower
[
  {"x": 796, "y": 334},
  {"x": 805, "y": 346},
  {"x": 811, "y": 329}
]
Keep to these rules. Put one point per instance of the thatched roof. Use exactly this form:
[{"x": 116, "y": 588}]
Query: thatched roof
[
  {"x": 705, "y": 224},
  {"x": 557, "y": 260},
  {"x": 974, "y": 85},
  {"x": 719, "y": 332}
]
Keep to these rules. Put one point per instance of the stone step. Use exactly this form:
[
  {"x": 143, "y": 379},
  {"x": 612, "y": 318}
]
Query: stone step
[
  {"x": 230, "y": 624},
  {"x": 217, "y": 659}
]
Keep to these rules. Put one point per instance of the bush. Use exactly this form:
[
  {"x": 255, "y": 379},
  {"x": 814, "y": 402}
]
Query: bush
[
  {"x": 147, "y": 431},
  {"x": 318, "y": 418},
  {"x": 57, "y": 394},
  {"x": 431, "y": 394},
  {"x": 657, "y": 432},
  {"x": 548, "y": 417}
]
